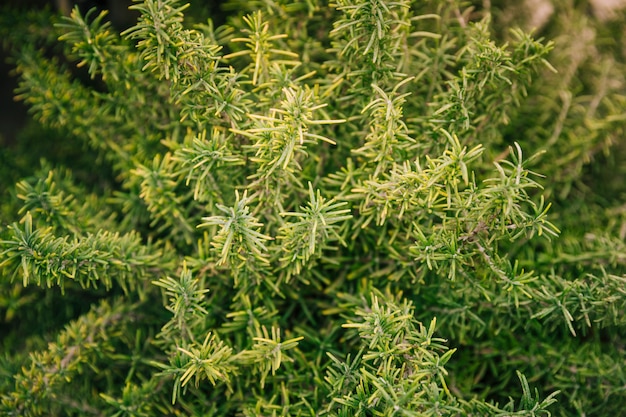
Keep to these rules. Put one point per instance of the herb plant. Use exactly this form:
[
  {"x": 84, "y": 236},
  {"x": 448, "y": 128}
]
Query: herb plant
[{"x": 363, "y": 208}]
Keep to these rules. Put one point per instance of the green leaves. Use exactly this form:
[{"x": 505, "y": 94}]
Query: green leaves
[
  {"x": 399, "y": 369},
  {"x": 204, "y": 161},
  {"x": 91, "y": 260},
  {"x": 304, "y": 239},
  {"x": 351, "y": 182},
  {"x": 280, "y": 140},
  {"x": 158, "y": 48},
  {"x": 238, "y": 239},
  {"x": 268, "y": 352},
  {"x": 187, "y": 303},
  {"x": 490, "y": 84},
  {"x": 499, "y": 210},
  {"x": 371, "y": 31},
  {"x": 388, "y": 139},
  {"x": 262, "y": 49},
  {"x": 94, "y": 41},
  {"x": 78, "y": 352},
  {"x": 209, "y": 361},
  {"x": 160, "y": 193}
]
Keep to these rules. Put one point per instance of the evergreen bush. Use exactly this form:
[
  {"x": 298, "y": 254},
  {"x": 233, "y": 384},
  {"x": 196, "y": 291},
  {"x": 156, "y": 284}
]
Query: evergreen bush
[{"x": 363, "y": 208}]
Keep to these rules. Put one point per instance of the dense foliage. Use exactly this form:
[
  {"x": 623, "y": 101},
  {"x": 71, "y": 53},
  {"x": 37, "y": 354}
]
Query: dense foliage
[{"x": 363, "y": 208}]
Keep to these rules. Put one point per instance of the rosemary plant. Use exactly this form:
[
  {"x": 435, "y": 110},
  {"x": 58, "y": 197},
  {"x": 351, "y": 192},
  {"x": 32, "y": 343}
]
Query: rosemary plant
[{"x": 362, "y": 208}]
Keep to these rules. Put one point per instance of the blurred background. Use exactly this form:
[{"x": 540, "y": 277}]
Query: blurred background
[{"x": 14, "y": 114}]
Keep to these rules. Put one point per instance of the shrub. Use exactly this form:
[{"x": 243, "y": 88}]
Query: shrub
[{"x": 367, "y": 208}]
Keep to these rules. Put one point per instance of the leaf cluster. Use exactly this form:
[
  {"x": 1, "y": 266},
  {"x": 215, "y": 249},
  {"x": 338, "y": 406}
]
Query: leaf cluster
[{"x": 363, "y": 208}]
